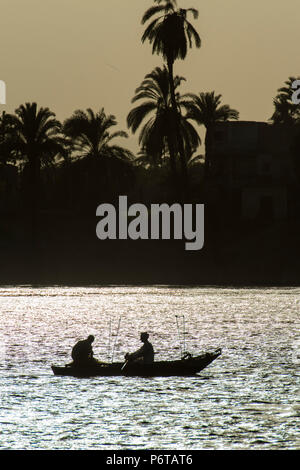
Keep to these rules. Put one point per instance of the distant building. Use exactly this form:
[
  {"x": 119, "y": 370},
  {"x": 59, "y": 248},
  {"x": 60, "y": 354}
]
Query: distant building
[{"x": 252, "y": 166}]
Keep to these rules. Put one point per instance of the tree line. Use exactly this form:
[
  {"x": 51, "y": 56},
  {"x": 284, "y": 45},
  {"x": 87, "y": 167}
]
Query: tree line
[{"x": 83, "y": 146}]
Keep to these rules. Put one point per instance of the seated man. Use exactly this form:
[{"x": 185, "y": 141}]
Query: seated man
[
  {"x": 145, "y": 354},
  {"x": 82, "y": 352}
]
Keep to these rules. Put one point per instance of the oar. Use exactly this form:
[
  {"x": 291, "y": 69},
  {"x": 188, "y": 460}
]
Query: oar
[{"x": 124, "y": 365}]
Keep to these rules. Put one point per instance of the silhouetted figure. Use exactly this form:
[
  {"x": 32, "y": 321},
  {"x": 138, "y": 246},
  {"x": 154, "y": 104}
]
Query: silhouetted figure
[
  {"x": 82, "y": 352},
  {"x": 145, "y": 354}
]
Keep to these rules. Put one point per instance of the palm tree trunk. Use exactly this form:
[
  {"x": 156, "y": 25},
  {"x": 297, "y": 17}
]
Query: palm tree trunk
[
  {"x": 178, "y": 132},
  {"x": 208, "y": 151},
  {"x": 173, "y": 163}
]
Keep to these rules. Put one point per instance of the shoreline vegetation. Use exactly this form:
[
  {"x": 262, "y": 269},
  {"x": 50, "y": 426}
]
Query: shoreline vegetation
[{"x": 54, "y": 175}]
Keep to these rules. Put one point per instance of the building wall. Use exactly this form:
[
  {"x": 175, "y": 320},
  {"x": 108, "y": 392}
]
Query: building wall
[
  {"x": 265, "y": 202},
  {"x": 254, "y": 159}
]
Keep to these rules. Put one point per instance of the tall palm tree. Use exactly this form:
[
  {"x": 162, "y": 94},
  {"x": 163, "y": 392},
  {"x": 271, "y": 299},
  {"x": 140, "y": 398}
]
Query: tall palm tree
[
  {"x": 157, "y": 137},
  {"x": 286, "y": 112},
  {"x": 90, "y": 135},
  {"x": 206, "y": 109},
  {"x": 37, "y": 139},
  {"x": 38, "y": 134},
  {"x": 101, "y": 160},
  {"x": 170, "y": 34}
]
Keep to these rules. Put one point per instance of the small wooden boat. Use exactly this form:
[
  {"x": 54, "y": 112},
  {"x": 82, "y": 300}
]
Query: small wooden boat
[{"x": 187, "y": 366}]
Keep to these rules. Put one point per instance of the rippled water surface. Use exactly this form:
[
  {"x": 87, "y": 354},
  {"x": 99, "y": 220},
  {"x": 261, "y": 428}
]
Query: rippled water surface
[{"x": 247, "y": 399}]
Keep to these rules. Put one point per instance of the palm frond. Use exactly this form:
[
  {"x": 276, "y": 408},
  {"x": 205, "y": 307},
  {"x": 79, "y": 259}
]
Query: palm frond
[
  {"x": 152, "y": 11},
  {"x": 138, "y": 114},
  {"x": 89, "y": 132}
]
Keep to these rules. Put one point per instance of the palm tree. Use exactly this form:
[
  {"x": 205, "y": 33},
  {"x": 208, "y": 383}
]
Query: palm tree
[
  {"x": 38, "y": 135},
  {"x": 157, "y": 138},
  {"x": 91, "y": 142},
  {"x": 286, "y": 112},
  {"x": 206, "y": 110},
  {"x": 170, "y": 35},
  {"x": 37, "y": 140},
  {"x": 90, "y": 136}
]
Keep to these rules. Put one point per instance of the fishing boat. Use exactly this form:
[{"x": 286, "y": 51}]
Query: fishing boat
[{"x": 188, "y": 365}]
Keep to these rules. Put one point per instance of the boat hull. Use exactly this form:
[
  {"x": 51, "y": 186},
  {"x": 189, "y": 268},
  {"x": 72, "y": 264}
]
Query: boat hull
[{"x": 185, "y": 367}]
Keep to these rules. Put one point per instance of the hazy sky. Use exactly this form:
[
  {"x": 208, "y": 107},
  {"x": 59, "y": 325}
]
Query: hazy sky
[{"x": 71, "y": 54}]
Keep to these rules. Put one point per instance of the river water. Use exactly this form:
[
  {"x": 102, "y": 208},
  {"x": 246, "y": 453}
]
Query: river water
[{"x": 247, "y": 399}]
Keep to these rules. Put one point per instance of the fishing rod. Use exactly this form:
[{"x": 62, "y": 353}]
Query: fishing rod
[
  {"x": 184, "y": 333},
  {"x": 181, "y": 335},
  {"x": 109, "y": 340},
  {"x": 114, "y": 347},
  {"x": 179, "y": 338}
]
